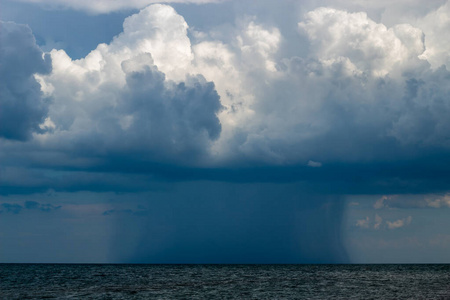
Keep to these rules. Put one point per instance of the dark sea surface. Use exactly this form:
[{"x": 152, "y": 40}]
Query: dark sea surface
[{"x": 61, "y": 281}]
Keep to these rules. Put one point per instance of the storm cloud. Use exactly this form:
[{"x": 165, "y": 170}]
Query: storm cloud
[
  {"x": 362, "y": 111},
  {"x": 162, "y": 101},
  {"x": 294, "y": 114},
  {"x": 23, "y": 105}
]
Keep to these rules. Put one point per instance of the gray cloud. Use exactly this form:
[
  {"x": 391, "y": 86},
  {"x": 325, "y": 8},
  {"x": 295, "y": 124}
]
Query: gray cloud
[
  {"x": 42, "y": 207},
  {"x": 11, "y": 208},
  {"x": 15, "y": 208},
  {"x": 23, "y": 107},
  {"x": 170, "y": 118}
]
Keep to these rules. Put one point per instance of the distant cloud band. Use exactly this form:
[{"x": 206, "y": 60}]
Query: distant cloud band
[{"x": 107, "y": 6}]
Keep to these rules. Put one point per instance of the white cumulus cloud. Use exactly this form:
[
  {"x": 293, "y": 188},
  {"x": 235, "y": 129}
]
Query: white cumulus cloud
[
  {"x": 136, "y": 93},
  {"x": 363, "y": 223},
  {"x": 399, "y": 223}
]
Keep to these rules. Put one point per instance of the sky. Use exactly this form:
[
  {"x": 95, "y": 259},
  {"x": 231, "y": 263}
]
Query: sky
[{"x": 202, "y": 131}]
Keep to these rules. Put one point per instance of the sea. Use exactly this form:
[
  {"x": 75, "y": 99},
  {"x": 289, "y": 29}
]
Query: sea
[{"x": 105, "y": 281}]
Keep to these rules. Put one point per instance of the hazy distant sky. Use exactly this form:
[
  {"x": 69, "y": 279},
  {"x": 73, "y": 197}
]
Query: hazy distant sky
[{"x": 225, "y": 131}]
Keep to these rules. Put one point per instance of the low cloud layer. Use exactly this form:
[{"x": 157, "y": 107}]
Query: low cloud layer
[
  {"x": 413, "y": 201},
  {"x": 15, "y": 208},
  {"x": 378, "y": 223}
]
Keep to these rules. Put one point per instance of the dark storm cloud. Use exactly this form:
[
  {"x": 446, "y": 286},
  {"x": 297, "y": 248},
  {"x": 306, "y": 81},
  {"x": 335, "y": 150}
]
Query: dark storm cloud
[
  {"x": 169, "y": 118},
  {"x": 23, "y": 106}
]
